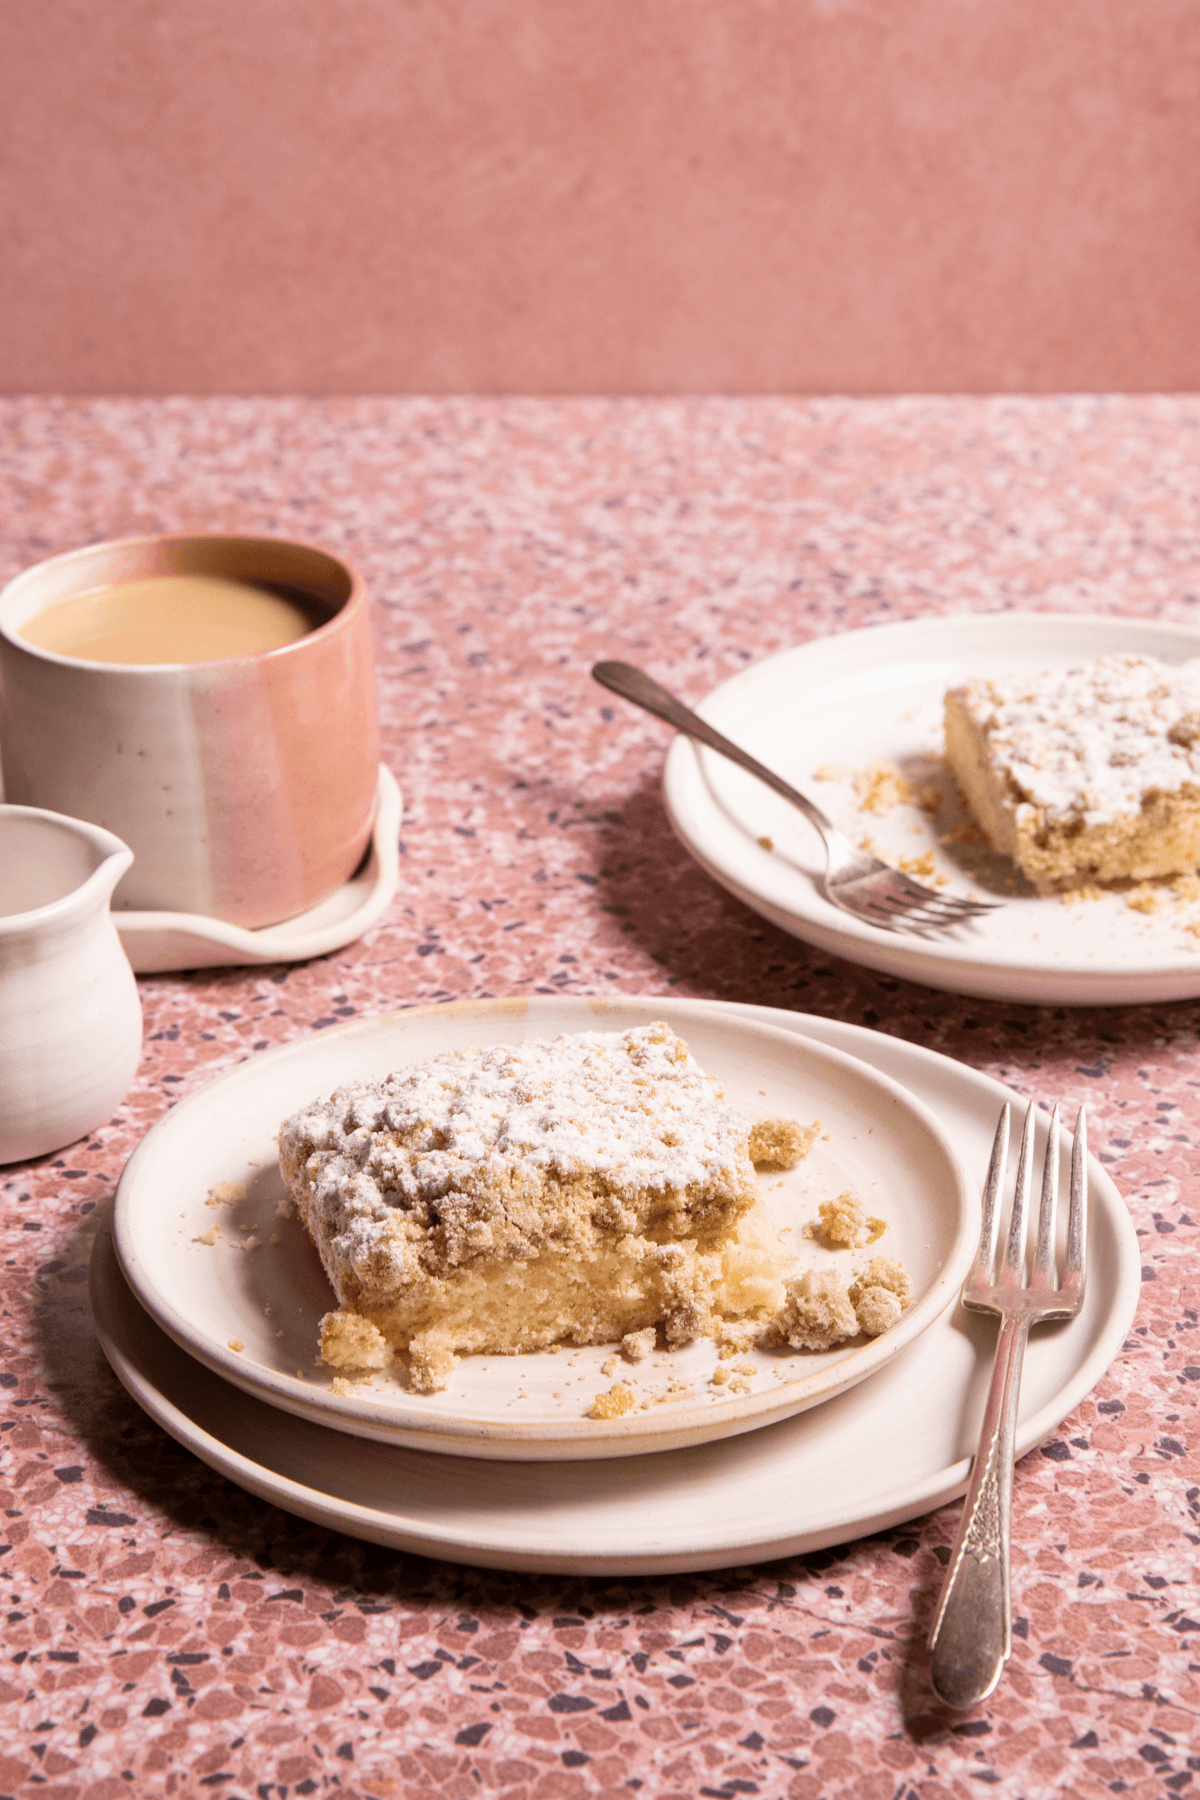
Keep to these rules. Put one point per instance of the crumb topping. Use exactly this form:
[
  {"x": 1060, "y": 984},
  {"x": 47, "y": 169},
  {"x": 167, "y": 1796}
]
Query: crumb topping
[
  {"x": 449, "y": 1161},
  {"x": 1088, "y": 743}
]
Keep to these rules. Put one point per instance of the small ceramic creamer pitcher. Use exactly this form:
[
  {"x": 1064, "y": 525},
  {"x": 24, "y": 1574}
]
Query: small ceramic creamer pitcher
[{"x": 70, "y": 1017}]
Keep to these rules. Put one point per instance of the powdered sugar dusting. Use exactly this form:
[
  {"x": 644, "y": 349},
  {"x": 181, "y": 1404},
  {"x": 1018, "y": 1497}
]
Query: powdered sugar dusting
[
  {"x": 1089, "y": 743},
  {"x": 632, "y": 1106},
  {"x": 473, "y": 1153}
]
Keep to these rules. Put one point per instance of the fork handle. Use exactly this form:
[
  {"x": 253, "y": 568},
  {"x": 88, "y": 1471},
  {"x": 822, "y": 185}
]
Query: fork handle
[
  {"x": 971, "y": 1638},
  {"x": 634, "y": 684}
]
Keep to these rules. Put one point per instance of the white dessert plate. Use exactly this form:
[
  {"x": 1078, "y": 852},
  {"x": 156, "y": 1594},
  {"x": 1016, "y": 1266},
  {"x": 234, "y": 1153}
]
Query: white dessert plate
[
  {"x": 885, "y": 1451},
  {"x": 841, "y": 703},
  {"x": 156, "y": 942},
  {"x": 242, "y": 1289}
]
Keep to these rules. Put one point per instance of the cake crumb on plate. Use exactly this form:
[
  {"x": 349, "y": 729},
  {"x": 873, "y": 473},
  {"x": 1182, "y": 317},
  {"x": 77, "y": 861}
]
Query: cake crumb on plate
[
  {"x": 781, "y": 1143},
  {"x": 612, "y": 1405}
]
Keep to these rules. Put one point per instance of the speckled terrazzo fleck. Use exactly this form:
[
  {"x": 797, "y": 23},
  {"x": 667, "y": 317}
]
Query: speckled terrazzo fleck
[{"x": 169, "y": 1634}]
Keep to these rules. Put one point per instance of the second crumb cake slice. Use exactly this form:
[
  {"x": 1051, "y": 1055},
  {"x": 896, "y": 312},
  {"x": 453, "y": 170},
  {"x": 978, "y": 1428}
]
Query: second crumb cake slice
[
  {"x": 1084, "y": 775},
  {"x": 509, "y": 1198}
]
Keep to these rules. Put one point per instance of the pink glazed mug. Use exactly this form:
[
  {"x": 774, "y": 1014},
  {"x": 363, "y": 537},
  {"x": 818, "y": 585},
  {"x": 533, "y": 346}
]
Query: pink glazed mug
[{"x": 244, "y": 787}]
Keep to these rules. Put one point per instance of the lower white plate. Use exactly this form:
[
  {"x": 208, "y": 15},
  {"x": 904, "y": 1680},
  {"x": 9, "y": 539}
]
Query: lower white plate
[
  {"x": 156, "y": 942},
  {"x": 889, "y": 1450},
  {"x": 249, "y": 1303},
  {"x": 846, "y": 701}
]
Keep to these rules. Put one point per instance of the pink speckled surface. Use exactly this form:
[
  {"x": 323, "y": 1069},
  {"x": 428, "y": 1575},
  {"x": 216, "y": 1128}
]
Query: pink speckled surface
[{"x": 167, "y": 1633}]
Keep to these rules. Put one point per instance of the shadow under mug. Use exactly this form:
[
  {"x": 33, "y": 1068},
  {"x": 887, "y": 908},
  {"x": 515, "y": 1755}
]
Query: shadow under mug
[{"x": 244, "y": 787}]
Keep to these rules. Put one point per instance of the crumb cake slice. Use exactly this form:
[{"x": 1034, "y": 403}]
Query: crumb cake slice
[
  {"x": 508, "y": 1198},
  {"x": 1084, "y": 775}
]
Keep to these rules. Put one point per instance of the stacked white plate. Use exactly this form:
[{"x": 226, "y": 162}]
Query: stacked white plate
[
  {"x": 837, "y": 705},
  {"x": 504, "y": 1467}
]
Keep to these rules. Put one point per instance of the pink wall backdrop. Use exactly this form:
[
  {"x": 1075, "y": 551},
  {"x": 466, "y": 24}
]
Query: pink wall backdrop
[{"x": 599, "y": 195}]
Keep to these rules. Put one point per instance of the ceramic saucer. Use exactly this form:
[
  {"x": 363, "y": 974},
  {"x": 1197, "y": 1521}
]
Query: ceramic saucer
[{"x": 156, "y": 942}]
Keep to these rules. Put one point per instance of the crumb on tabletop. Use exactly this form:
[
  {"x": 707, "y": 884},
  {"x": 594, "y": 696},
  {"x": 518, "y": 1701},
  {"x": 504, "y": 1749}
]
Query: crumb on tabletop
[
  {"x": 816, "y": 1313},
  {"x": 880, "y": 787},
  {"x": 637, "y": 1345},
  {"x": 226, "y": 1193},
  {"x": 612, "y": 1405},
  {"x": 781, "y": 1143},
  {"x": 351, "y": 1342}
]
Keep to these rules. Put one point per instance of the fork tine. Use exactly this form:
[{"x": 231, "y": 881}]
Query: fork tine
[
  {"x": 991, "y": 1193},
  {"x": 1045, "y": 1243},
  {"x": 943, "y": 902},
  {"x": 1077, "y": 1217},
  {"x": 944, "y": 906},
  {"x": 1014, "y": 1254},
  {"x": 933, "y": 917}
]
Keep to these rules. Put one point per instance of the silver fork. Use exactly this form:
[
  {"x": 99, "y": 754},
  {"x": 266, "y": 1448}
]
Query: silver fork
[
  {"x": 971, "y": 1638},
  {"x": 854, "y": 880}
]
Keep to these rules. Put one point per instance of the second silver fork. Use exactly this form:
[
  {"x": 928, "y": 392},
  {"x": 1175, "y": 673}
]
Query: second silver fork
[
  {"x": 972, "y": 1632},
  {"x": 854, "y": 879}
]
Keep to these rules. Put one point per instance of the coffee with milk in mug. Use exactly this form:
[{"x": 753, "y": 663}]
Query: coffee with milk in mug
[{"x": 175, "y": 619}]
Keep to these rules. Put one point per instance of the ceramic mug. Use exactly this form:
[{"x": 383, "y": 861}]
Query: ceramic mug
[
  {"x": 245, "y": 787},
  {"x": 70, "y": 1018}
]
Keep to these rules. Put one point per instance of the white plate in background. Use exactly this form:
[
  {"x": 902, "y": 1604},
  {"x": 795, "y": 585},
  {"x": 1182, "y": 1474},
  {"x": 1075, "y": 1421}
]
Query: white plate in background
[
  {"x": 888, "y": 1450},
  {"x": 876, "y": 696},
  {"x": 884, "y": 1144}
]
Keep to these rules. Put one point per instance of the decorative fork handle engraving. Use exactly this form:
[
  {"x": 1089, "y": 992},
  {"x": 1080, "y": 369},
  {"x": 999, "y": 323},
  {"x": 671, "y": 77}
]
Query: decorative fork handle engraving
[
  {"x": 972, "y": 1634},
  {"x": 985, "y": 1533}
]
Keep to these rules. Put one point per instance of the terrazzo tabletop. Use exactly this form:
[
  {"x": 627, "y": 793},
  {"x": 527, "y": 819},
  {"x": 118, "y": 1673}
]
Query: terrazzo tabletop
[{"x": 166, "y": 1632}]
